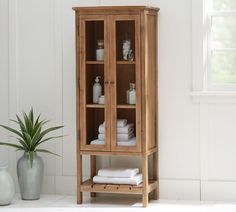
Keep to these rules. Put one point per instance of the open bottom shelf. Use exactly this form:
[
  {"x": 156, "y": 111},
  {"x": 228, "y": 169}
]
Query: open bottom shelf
[{"x": 89, "y": 186}]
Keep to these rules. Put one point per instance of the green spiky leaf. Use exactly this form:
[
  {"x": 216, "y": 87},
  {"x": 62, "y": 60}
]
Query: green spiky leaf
[
  {"x": 47, "y": 151},
  {"x": 31, "y": 158},
  {"x": 50, "y": 138},
  {"x": 12, "y": 145},
  {"x": 11, "y": 130}
]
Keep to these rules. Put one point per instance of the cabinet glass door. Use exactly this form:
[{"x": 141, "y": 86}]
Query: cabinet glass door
[
  {"x": 125, "y": 84},
  {"x": 93, "y": 77}
]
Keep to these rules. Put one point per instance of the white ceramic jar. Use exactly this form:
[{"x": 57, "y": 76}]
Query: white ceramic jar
[
  {"x": 100, "y": 50},
  {"x": 131, "y": 94},
  {"x": 7, "y": 187},
  {"x": 101, "y": 100}
]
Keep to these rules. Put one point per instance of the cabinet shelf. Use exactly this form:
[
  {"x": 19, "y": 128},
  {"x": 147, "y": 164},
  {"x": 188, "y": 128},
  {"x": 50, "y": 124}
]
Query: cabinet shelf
[
  {"x": 125, "y": 62},
  {"x": 91, "y": 62},
  {"x": 95, "y": 106},
  {"x": 118, "y": 106},
  {"x": 126, "y": 106},
  {"x": 89, "y": 186},
  {"x": 94, "y": 62}
]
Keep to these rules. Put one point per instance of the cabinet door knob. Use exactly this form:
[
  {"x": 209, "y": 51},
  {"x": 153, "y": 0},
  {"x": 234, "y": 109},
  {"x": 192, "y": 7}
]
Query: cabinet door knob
[
  {"x": 106, "y": 82},
  {"x": 112, "y": 82}
]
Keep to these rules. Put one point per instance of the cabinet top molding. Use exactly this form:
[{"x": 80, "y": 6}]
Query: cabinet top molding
[{"x": 114, "y": 8}]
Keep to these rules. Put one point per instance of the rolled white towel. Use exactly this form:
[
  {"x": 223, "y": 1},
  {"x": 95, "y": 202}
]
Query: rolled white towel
[
  {"x": 135, "y": 180},
  {"x": 118, "y": 172},
  {"x": 120, "y": 122},
  {"x": 120, "y": 136},
  {"x": 126, "y": 129}
]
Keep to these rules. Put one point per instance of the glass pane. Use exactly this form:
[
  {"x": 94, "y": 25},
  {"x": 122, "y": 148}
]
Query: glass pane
[
  {"x": 95, "y": 119},
  {"x": 224, "y": 67},
  {"x": 126, "y": 127},
  {"x": 95, "y": 115},
  {"x": 125, "y": 40},
  {"x": 94, "y": 89},
  {"x": 94, "y": 40},
  {"x": 125, "y": 82},
  {"x": 224, "y": 32},
  {"x": 125, "y": 76},
  {"x": 224, "y": 5}
]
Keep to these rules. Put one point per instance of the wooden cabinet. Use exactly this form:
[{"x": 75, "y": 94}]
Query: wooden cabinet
[{"x": 113, "y": 26}]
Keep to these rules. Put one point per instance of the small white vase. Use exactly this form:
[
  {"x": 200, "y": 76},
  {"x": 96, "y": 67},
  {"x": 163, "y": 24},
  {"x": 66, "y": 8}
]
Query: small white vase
[{"x": 7, "y": 187}]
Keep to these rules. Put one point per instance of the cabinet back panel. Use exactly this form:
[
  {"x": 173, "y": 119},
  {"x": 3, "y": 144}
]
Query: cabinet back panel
[
  {"x": 95, "y": 117},
  {"x": 125, "y": 74},
  {"x": 124, "y": 30},
  {"x": 91, "y": 72},
  {"x": 128, "y": 114},
  {"x": 94, "y": 32}
]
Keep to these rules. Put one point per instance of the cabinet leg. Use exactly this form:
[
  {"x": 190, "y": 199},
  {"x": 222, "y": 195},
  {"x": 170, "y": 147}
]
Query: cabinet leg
[
  {"x": 79, "y": 198},
  {"x": 92, "y": 171},
  {"x": 79, "y": 179},
  {"x": 145, "y": 200},
  {"x": 145, "y": 180},
  {"x": 155, "y": 175}
]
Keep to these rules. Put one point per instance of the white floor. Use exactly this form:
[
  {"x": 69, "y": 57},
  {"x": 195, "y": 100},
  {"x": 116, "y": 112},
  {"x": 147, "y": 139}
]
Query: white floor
[{"x": 67, "y": 204}]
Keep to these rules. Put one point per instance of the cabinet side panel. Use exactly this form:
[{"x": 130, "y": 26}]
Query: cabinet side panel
[
  {"x": 79, "y": 157},
  {"x": 151, "y": 82}
]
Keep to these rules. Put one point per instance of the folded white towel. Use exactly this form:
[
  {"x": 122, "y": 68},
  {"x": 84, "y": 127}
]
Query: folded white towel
[
  {"x": 135, "y": 180},
  {"x": 118, "y": 172},
  {"x": 131, "y": 142},
  {"x": 126, "y": 129},
  {"x": 97, "y": 142},
  {"x": 120, "y": 122},
  {"x": 120, "y": 136}
]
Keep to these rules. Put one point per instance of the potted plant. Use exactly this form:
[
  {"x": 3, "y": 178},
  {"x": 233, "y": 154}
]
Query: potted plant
[{"x": 30, "y": 168}]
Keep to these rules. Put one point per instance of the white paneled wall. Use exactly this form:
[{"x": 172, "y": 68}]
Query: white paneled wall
[
  {"x": 4, "y": 76},
  {"x": 37, "y": 68},
  {"x": 222, "y": 139}
]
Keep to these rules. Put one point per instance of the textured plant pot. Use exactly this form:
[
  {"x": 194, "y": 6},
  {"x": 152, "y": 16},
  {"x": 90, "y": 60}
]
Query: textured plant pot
[
  {"x": 30, "y": 178},
  {"x": 7, "y": 187}
]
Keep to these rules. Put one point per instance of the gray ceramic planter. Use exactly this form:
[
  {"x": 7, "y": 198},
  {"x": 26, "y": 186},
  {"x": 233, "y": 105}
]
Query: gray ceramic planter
[{"x": 30, "y": 179}]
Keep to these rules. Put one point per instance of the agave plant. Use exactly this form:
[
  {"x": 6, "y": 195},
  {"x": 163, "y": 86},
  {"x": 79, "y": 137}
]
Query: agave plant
[{"x": 30, "y": 134}]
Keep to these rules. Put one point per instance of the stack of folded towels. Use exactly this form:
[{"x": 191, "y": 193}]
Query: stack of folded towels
[
  {"x": 126, "y": 176},
  {"x": 125, "y": 134}
]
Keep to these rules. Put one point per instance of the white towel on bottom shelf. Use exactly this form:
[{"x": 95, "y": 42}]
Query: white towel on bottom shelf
[
  {"x": 126, "y": 129},
  {"x": 120, "y": 122},
  {"x": 131, "y": 142},
  {"x": 135, "y": 180},
  {"x": 120, "y": 136},
  {"x": 118, "y": 172}
]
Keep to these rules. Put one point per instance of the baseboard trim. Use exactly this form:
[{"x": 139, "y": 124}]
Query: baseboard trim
[
  {"x": 218, "y": 191},
  {"x": 179, "y": 189}
]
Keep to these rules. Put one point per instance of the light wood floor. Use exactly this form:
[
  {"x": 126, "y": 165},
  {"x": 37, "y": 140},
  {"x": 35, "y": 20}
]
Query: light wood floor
[{"x": 58, "y": 203}]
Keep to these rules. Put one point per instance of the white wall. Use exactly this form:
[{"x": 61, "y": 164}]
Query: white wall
[{"x": 37, "y": 67}]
